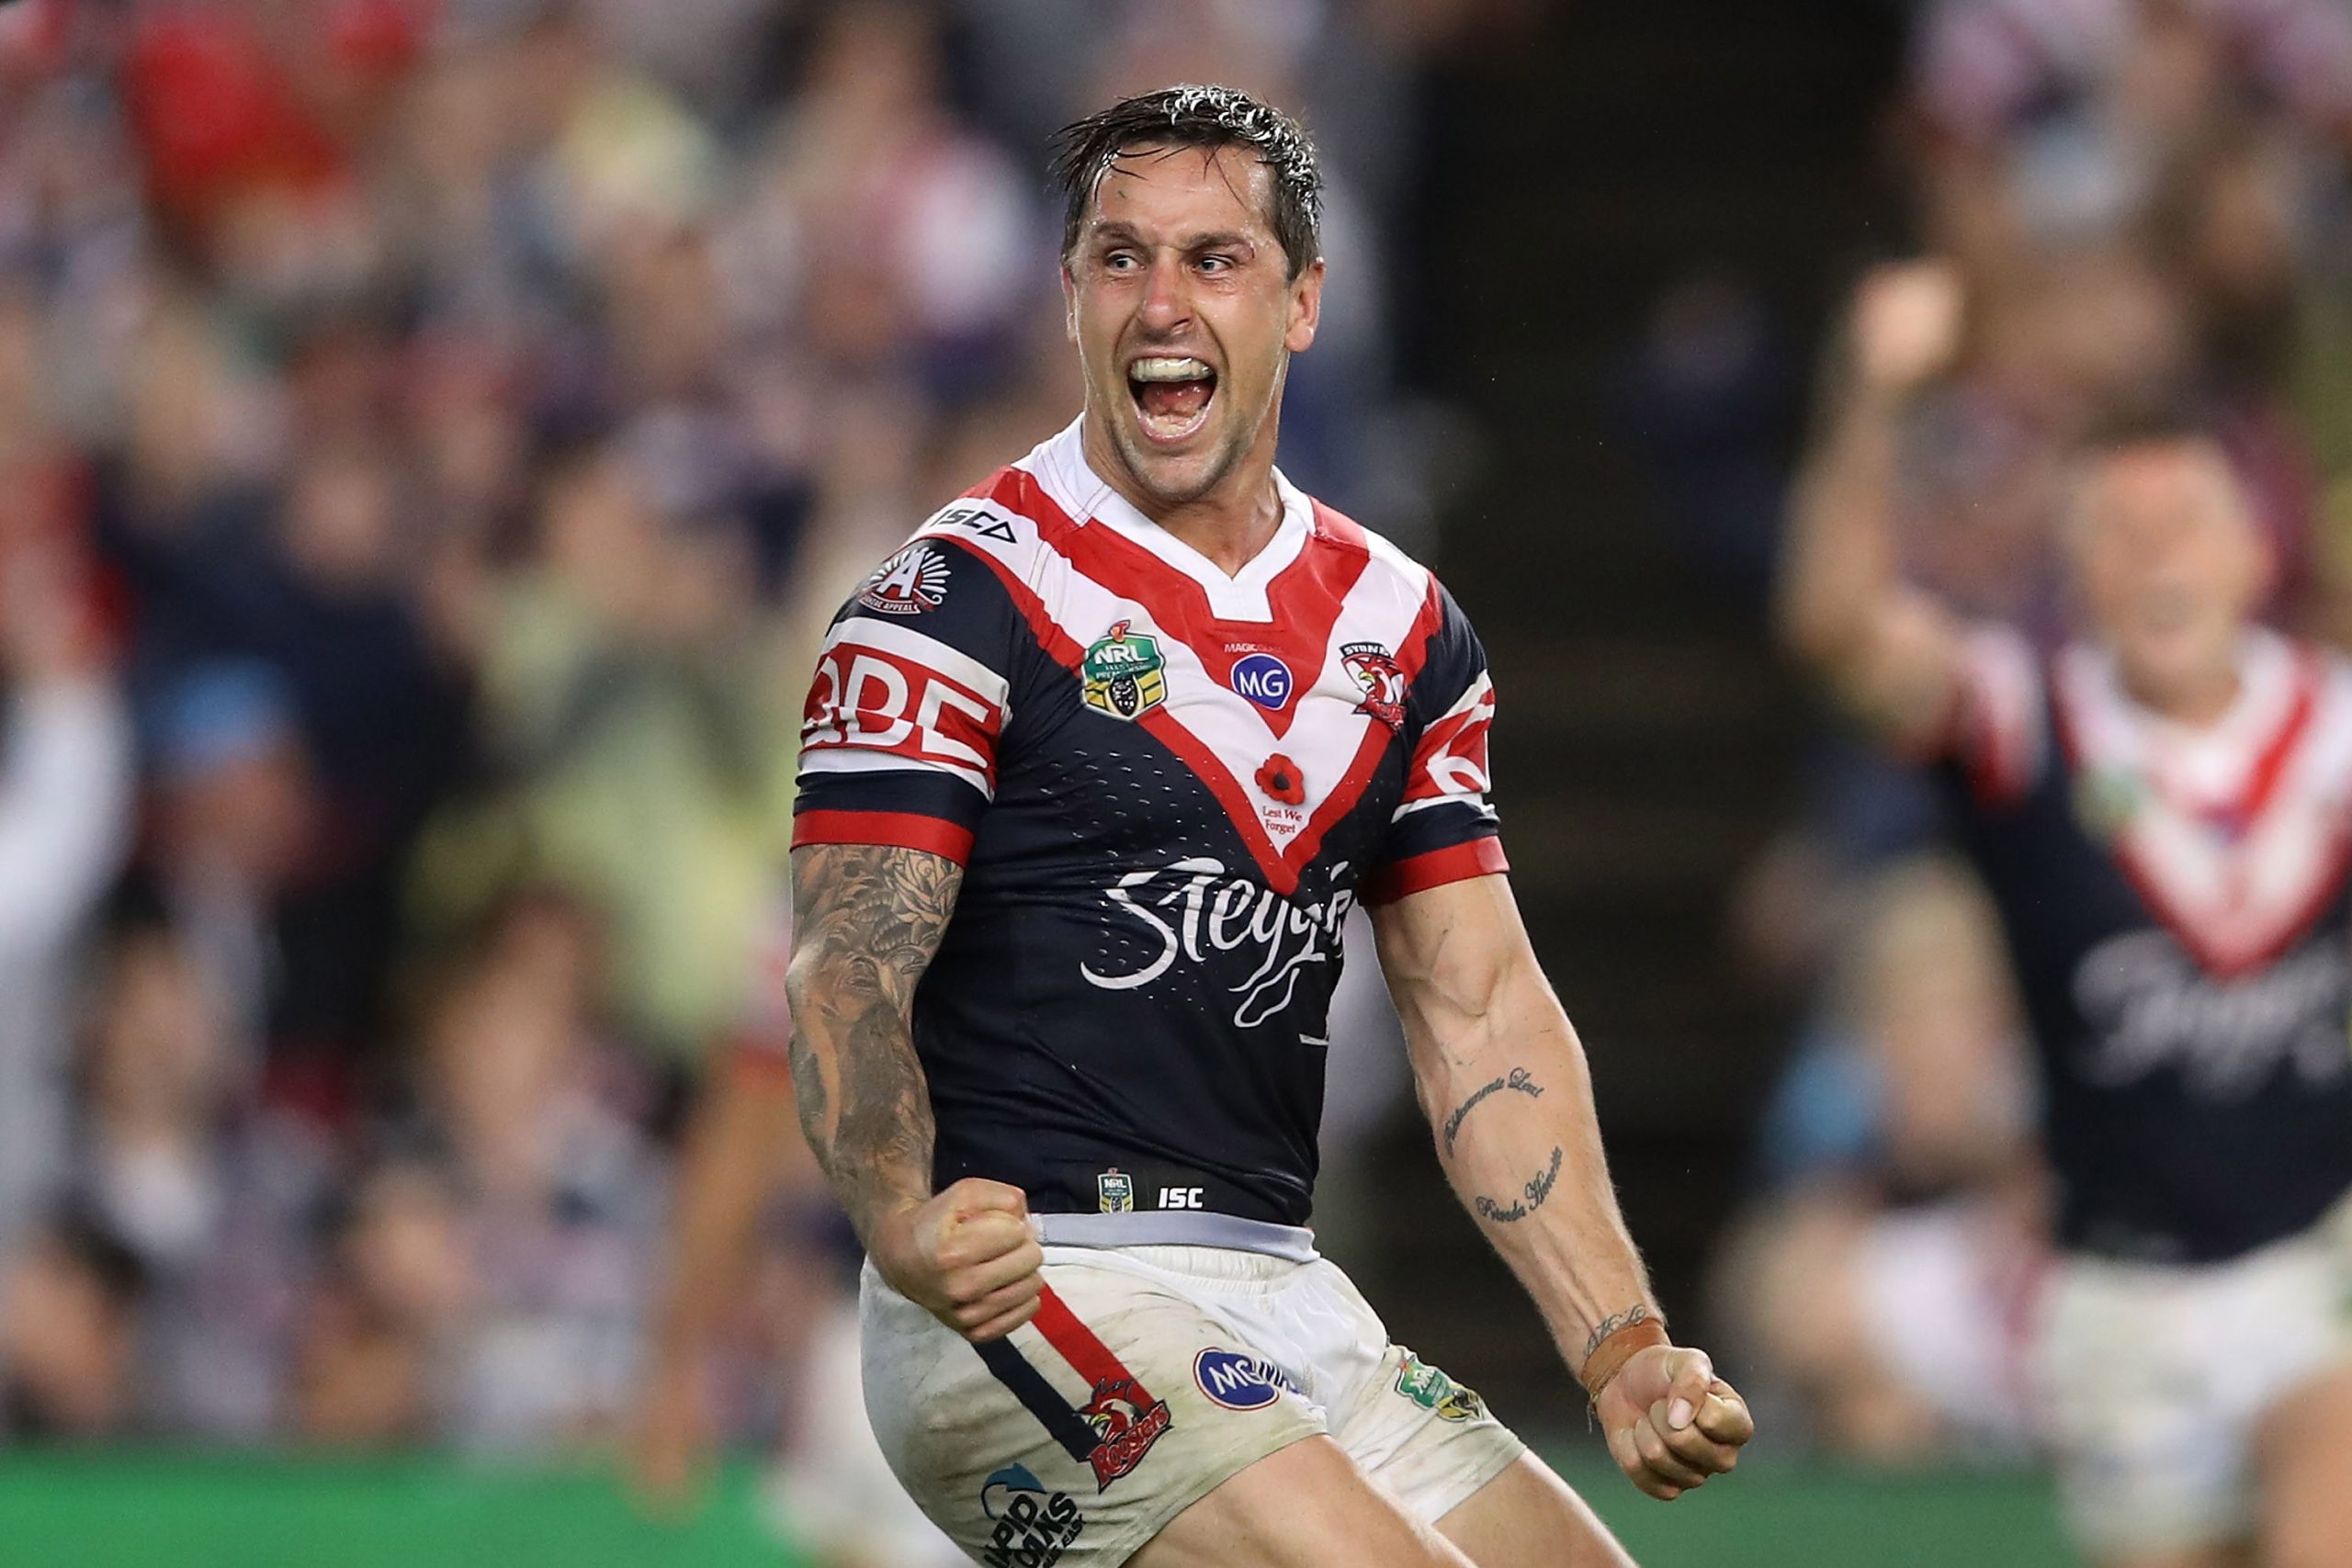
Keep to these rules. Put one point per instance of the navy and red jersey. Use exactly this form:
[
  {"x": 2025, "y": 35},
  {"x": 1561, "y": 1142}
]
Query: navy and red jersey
[
  {"x": 1166, "y": 787},
  {"x": 2176, "y": 906}
]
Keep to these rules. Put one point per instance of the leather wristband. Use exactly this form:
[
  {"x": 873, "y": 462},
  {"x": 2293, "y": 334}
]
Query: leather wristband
[{"x": 1608, "y": 1356}]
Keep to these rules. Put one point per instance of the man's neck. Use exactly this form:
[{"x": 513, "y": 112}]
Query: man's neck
[
  {"x": 1228, "y": 526},
  {"x": 2194, "y": 704}
]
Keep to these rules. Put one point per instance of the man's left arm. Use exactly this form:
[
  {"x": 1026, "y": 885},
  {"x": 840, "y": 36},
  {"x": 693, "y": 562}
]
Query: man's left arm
[{"x": 1501, "y": 1075}]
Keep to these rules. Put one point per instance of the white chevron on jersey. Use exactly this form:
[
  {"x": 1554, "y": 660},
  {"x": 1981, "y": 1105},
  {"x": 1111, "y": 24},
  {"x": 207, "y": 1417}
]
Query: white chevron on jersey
[
  {"x": 1327, "y": 734},
  {"x": 2237, "y": 835}
]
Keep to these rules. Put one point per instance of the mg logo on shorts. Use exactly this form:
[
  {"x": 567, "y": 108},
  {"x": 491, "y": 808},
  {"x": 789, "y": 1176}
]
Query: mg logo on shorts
[
  {"x": 1239, "y": 1382},
  {"x": 1033, "y": 1527}
]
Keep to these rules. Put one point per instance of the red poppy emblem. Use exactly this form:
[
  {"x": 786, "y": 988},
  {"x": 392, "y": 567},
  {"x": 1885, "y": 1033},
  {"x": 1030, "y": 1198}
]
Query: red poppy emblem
[{"x": 1278, "y": 778}]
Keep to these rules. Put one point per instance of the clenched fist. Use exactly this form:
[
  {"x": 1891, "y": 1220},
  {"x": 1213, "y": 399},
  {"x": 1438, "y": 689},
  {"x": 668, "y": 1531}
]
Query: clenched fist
[
  {"x": 1671, "y": 1422},
  {"x": 967, "y": 1256},
  {"x": 1905, "y": 326}
]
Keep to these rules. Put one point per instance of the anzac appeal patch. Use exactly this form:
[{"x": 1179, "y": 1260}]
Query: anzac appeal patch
[{"x": 910, "y": 582}]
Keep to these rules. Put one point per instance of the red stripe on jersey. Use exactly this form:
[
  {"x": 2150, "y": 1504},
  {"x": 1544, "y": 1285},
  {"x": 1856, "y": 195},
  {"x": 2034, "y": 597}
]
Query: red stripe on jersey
[
  {"x": 1411, "y": 656},
  {"x": 1303, "y": 599},
  {"x": 2212, "y": 951},
  {"x": 1161, "y": 725},
  {"x": 2262, "y": 783},
  {"x": 1076, "y": 1344},
  {"x": 897, "y": 830},
  {"x": 1460, "y": 741},
  {"x": 1282, "y": 872},
  {"x": 1455, "y": 863}
]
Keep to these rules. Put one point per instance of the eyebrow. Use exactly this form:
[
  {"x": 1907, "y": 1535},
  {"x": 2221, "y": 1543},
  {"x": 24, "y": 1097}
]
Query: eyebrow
[{"x": 1116, "y": 228}]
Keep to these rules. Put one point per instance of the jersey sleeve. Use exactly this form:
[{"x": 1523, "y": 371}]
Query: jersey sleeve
[
  {"x": 910, "y": 698},
  {"x": 1444, "y": 829},
  {"x": 1993, "y": 734}
]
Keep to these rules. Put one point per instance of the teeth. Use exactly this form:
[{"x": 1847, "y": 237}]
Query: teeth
[{"x": 1184, "y": 370}]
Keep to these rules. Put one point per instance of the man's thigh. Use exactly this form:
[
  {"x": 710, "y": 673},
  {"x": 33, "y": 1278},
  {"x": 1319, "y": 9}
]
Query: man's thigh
[
  {"x": 2305, "y": 1467},
  {"x": 1307, "y": 1505},
  {"x": 1528, "y": 1517}
]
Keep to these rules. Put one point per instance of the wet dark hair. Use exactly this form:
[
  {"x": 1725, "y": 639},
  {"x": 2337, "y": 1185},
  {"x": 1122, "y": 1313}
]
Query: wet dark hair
[{"x": 1207, "y": 118}]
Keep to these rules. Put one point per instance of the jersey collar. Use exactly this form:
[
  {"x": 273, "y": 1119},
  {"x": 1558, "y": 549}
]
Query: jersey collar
[{"x": 1060, "y": 467}]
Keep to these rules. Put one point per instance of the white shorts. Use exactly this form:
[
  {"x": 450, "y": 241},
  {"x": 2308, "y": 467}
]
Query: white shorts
[
  {"x": 1152, "y": 1374},
  {"x": 2154, "y": 1379},
  {"x": 1946, "y": 1294}
]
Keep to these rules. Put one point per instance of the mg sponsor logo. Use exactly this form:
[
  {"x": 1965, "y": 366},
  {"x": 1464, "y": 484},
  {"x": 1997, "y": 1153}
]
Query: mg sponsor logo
[
  {"x": 1264, "y": 679},
  {"x": 1239, "y": 1382}
]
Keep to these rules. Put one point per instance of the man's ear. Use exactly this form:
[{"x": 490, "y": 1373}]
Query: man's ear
[
  {"x": 1305, "y": 308},
  {"x": 1069, "y": 305}
]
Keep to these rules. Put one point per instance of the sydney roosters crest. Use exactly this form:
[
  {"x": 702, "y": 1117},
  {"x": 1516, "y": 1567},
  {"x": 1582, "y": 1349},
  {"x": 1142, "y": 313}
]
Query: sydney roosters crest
[
  {"x": 1127, "y": 1427},
  {"x": 1375, "y": 670}
]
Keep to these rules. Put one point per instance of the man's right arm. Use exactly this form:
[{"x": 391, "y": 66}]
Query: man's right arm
[
  {"x": 1893, "y": 654},
  {"x": 867, "y": 920}
]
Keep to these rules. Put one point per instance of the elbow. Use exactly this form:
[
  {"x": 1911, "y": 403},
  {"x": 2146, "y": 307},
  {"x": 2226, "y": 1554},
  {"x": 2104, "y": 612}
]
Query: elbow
[{"x": 1811, "y": 625}]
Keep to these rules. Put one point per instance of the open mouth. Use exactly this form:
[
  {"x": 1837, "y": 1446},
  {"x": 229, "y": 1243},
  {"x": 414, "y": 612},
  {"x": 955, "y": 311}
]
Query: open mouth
[{"x": 1172, "y": 394}]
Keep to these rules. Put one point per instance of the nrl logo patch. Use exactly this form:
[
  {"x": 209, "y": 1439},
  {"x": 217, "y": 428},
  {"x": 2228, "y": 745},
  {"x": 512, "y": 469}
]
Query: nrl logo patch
[
  {"x": 910, "y": 582},
  {"x": 1433, "y": 1390},
  {"x": 1375, "y": 669},
  {"x": 1124, "y": 674},
  {"x": 1116, "y": 1192}
]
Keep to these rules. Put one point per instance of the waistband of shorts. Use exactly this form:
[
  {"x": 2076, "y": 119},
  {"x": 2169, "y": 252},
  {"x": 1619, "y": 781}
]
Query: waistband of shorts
[{"x": 1230, "y": 1233}]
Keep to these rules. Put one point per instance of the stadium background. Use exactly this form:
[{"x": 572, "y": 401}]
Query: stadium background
[{"x": 432, "y": 430}]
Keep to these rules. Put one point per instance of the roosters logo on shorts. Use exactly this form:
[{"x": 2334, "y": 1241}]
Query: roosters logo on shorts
[{"x": 1126, "y": 1426}]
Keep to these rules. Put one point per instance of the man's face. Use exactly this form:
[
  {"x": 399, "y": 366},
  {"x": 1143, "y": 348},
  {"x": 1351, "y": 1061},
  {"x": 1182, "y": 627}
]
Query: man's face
[
  {"x": 1184, "y": 315},
  {"x": 2170, "y": 562}
]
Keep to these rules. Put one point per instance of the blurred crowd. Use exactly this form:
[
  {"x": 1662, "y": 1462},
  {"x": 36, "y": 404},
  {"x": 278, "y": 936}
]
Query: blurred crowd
[
  {"x": 2143, "y": 207},
  {"x": 432, "y": 435}
]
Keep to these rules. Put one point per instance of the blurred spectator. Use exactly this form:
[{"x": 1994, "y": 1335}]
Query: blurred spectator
[
  {"x": 632, "y": 747},
  {"x": 65, "y": 780},
  {"x": 69, "y": 1329},
  {"x": 458, "y": 417},
  {"x": 216, "y": 1196},
  {"x": 560, "y": 1197},
  {"x": 374, "y": 1364},
  {"x": 1882, "y": 1285}
]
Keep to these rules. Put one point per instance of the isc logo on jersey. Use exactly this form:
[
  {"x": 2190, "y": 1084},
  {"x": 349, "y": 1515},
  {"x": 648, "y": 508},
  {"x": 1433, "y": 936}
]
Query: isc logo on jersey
[
  {"x": 1239, "y": 1382},
  {"x": 910, "y": 582}
]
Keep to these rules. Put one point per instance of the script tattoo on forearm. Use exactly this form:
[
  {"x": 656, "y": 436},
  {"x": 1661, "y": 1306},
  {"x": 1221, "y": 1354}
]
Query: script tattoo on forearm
[
  {"x": 1531, "y": 1197},
  {"x": 1519, "y": 1079},
  {"x": 1611, "y": 1324},
  {"x": 867, "y": 920}
]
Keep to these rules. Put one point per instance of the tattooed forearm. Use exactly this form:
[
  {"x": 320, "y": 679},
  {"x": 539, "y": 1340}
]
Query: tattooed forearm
[
  {"x": 867, "y": 920},
  {"x": 1518, "y": 1079},
  {"x": 1611, "y": 1324},
  {"x": 1531, "y": 1197}
]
